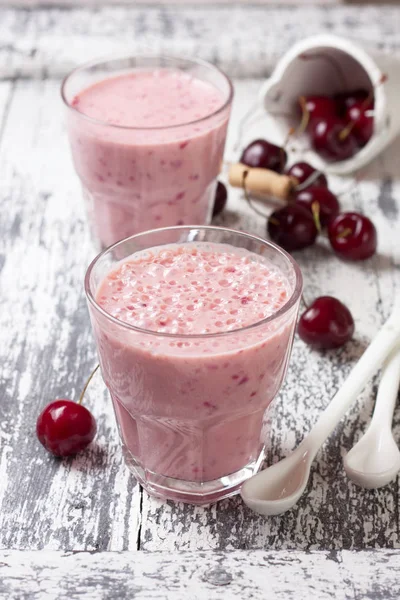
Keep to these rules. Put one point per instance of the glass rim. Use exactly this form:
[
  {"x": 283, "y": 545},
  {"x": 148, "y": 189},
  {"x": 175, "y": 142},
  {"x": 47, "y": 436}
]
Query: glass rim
[
  {"x": 198, "y": 61},
  {"x": 283, "y": 310}
]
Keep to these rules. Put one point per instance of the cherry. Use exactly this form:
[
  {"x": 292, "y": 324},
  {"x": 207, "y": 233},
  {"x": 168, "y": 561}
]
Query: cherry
[
  {"x": 264, "y": 155},
  {"x": 303, "y": 171},
  {"x": 360, "y": 113},
  {"x": 352, "y": 236},
  {"x": 221, "y": 196},
  {"x": 326, "y": 323},
  {"x": 292, "y": 227},
  {"x": 345, "y": 100},
  {"x": 65, "y": 427},
  {"x": 328, "y": 139},
  {"x": 321, "y": 198},
  {"x": 319, "y": 107}
]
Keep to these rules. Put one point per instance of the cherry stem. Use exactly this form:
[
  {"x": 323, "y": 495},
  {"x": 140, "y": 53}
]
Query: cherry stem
[
  {"x": 309, "y": 181},
  {"x": 345, "y": 233},
  {"x": 304, "y": 301},
  {"x": 349, "y": 127},
  {"x": 315, "y": 209},
  {"x": 248, "y": 199},
  {"x": 87, "y": 383}
]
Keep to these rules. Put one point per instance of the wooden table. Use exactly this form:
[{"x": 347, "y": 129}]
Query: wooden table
[{"x": 92, "y": 503}]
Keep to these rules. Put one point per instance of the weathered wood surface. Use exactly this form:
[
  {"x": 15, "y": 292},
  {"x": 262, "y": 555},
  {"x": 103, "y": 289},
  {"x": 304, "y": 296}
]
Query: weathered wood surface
[
  {"x": 244, "y": 40},
  {"x": 57, "y": 3},
  {"x": 260, "y": 575},
  {"x": 47, "y": 351}
]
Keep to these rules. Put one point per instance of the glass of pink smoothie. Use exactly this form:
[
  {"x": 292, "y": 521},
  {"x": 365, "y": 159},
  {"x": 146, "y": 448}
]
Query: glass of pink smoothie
[
  {"x": 194, "y": 328},
  {"x": 147, "y": 135}
]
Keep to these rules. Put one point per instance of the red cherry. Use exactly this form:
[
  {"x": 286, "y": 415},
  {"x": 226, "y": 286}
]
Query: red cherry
[
  {"x": 327, "y": 140},
  {"x": 303, "y": 171},
  {"x": 361, "y": 114},
  {"x": 345, "y": 100},
  {"x": 65, "y": 427},
  {"x": 326, "y": 202},
  {"x": 327, "y": 323},
  {"x": 292, "y": 227},
  {"x": 352, "y": 236},
  {"x": 221, "y": 196},
  {"x": 319, "y": 107},
  {"x": 264, "y": 155}
]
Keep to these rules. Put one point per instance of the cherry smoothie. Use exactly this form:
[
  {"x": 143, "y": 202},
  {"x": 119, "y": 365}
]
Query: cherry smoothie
[
  {"x": 194, "y": 340},
  {"x": 147, "y": 144}
]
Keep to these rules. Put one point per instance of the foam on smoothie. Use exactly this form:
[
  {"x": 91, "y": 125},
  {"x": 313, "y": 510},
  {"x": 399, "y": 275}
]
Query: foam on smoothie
[
  {"x": 194, "y": 289},
  {"x": 156, "y": 98}
]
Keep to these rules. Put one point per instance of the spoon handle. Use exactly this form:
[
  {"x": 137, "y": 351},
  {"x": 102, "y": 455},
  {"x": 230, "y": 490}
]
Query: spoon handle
[
  {"x": 383, "y": 343},
  {"x": 387, "y": 391}
]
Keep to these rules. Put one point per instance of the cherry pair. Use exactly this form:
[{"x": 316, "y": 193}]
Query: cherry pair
[
  {"x": 297, "y": 225},
  {"x": 351, "y": 235},
  {"x": 339, "y": 125}
]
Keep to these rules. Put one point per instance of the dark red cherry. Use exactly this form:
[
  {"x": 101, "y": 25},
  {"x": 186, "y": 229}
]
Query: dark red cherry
[
  {"x": 345, "y": 100},
  {"x": 221, "y": 196},
  {"x": 65, "y": 427},
  {"x": 302, "y": 171},
  {"x": 352, "y": 236},
  {"x": 326, "y": 323},
  {"x": 362, "y": 115},
  {"x": 292, "y": 227},
  {"x": 322, "y": 199},
  {"x": 328, "y": 140},
  {"x": 264, "y": 155},
  {"x": 319, "y": 107}
]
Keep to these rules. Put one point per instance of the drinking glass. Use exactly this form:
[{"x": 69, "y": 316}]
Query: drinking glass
[
  {"x": 139, "y": 178},
  {"x": 192, "y": 409}
]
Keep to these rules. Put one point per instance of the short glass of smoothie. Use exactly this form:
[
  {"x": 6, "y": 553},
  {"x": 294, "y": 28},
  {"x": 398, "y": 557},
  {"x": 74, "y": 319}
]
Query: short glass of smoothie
[
  {"x": 147, "y": 135},
  {"x": 194, "y": 328}
]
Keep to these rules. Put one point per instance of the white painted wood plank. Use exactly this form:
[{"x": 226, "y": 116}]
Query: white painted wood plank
[
  {"x": 47, "y": 350},
  {"x": 245, "y": 40},
  {"x": 200, "y": 575},
  {"x": 57, "y": 3},
  {"x": 6, "y": 92}
]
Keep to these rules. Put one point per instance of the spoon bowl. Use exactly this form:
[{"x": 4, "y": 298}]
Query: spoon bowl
[
  {"x": 279, "y": 487},
  {"x": 374, "y": 461}
]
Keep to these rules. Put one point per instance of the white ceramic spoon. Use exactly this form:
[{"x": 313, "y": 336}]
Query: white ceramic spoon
[
  {"x": 278, "y": 488},
  {"x": 375, "y": 460}
]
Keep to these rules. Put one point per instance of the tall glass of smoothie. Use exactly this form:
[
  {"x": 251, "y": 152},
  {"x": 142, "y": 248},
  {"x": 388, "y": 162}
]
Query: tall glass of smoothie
[
  {"x": 147, "y": 135},
  {"x": 194, "y": 328}
]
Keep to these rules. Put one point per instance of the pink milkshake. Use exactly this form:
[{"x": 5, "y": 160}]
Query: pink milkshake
[
  {"x": 147, "y": 138},
  {"x": 194, "y": 329}
]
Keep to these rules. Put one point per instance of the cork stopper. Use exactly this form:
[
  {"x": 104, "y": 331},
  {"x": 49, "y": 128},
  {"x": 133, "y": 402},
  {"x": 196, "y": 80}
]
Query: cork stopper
[{"x": 262, "y": 181}]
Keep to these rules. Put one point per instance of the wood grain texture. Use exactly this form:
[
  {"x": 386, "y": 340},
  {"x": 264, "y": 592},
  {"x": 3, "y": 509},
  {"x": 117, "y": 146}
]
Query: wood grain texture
[
  {"x": 246, "y": 41},
  {"x": 47, "y": 349},
  {"x": 88, "y": 3},
  {"x": 198, "y": 575}
]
